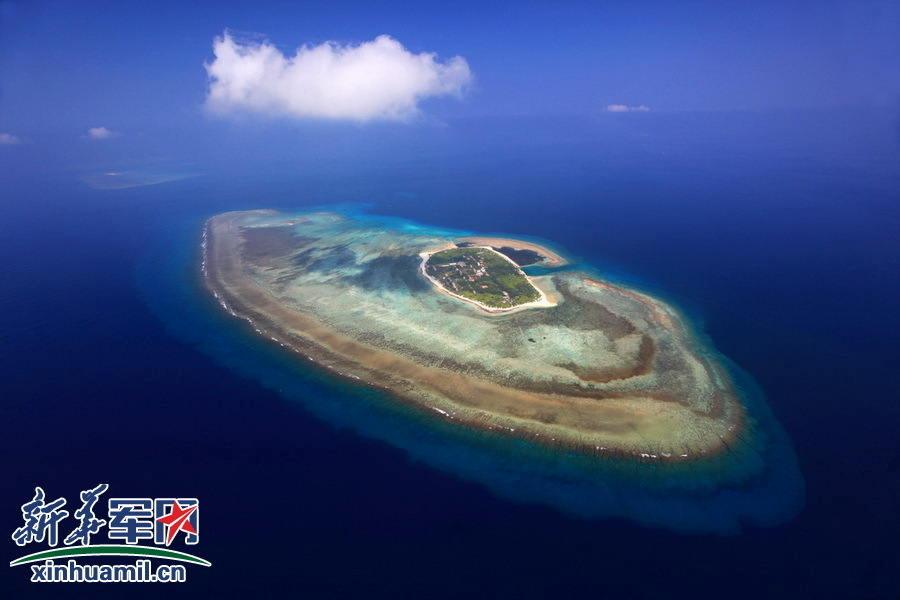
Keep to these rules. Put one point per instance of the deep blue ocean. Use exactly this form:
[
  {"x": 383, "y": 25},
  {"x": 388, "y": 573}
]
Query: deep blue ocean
[{"x": 777, "y": 234}]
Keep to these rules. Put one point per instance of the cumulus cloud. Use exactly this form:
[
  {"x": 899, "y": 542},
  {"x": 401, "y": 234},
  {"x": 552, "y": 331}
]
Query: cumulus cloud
[
  {"x": 622, "y": 108},
  {"x": 378, "y": 79},
  {"x": 100, "y": 133},
  {"x": 8, "y": 139}
]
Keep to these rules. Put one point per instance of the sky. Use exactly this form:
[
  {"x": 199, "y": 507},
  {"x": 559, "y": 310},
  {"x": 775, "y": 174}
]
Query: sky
[{"x": 119, "y": 72}]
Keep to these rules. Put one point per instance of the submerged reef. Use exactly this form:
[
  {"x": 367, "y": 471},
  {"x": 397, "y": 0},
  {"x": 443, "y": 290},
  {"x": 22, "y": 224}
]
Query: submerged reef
[
  {"x": 594, "y": 368},
  {"x": 753, "y": 481}
]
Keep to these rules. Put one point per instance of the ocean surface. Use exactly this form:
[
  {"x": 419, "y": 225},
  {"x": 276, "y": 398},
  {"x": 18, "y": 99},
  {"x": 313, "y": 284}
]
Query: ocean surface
[{"x": 777, "y": 234}]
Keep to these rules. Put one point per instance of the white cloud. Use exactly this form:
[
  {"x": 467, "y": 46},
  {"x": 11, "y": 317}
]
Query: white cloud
[
  {"x": 8, "y": 139},
  {"x": 378, "y": 79},
  {"x": 621, "y": 108},
  {"x": 100, "y": 133}
]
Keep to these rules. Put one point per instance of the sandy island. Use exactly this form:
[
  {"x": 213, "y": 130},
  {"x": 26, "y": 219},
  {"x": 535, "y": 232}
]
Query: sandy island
[{"x": 542, "y": 302}]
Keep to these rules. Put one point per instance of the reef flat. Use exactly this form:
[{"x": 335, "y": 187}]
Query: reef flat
[{"x": 599, "y": 367}]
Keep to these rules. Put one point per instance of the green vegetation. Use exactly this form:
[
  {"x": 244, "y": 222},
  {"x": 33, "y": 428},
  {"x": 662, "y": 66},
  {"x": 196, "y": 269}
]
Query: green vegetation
[{"x": 482, "y": 275}]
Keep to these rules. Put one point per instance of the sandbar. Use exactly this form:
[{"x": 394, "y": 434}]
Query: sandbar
[{"x": 550, "y": 258}]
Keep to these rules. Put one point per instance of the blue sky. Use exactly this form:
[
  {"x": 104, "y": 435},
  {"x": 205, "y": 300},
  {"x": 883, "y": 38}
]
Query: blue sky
[{"x": 137, "y": 68}]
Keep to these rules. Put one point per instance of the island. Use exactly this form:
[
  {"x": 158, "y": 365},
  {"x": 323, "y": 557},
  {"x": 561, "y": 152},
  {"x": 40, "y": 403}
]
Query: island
[
  {"x": 483, "y": 276},
  {"x": 456, "y": 327}
]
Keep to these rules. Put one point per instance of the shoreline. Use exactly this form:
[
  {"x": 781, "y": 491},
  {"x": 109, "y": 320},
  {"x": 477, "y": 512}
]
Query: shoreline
[{"x": 447, "y": 393}]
